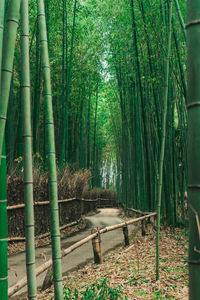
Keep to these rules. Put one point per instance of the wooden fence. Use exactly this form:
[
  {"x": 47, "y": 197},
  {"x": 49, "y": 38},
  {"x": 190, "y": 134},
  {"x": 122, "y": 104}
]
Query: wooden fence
[
  {"x": 70, "y": 211},
  {"x": 95, "y": 237}
]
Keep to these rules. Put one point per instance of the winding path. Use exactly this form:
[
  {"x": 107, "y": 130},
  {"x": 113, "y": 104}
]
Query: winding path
[{"x": 105, "y": 217}]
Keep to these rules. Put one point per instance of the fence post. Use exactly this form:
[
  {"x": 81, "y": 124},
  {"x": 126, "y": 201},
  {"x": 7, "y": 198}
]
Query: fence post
[
  {"x": 155, "y": 221},
  {"x": 126, "y": 238},
  {"x": 143, "y": 228},
  {"x": 96, "y": 244}
]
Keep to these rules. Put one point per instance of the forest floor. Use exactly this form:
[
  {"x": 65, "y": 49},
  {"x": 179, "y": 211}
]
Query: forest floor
[{"x": 130, "y": 272}]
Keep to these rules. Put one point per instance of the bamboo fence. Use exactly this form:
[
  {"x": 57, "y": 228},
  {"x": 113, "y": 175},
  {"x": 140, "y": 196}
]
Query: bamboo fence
[{"x": 39, "y": 270}]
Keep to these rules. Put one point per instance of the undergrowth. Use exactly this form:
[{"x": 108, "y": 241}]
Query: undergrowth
[{"x": 100, "y": 289}]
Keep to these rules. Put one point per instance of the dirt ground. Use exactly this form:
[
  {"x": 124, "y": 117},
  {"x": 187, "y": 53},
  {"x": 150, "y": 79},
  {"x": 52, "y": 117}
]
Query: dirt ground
[{"x": 133, "y": 268}]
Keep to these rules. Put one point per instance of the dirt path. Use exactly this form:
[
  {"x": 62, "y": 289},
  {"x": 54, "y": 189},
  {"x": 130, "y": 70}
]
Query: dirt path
[{"x": 105, "y": 217}]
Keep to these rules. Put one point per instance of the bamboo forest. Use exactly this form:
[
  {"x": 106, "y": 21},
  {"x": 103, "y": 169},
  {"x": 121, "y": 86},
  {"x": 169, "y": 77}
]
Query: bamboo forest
[{"x": 98, "y": 133}]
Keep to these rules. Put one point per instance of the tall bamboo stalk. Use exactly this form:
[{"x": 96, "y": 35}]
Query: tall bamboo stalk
[
  {"x": 27, "y": 137},
  {"x": 64, "y": 41},
  {"x": 180, "y": 17},
  {"x": 164, "y": 117},
  {"x": 50, "y": 151},
  {"x": 2, "y": 5},
  {"x": 193, "y": 45},
  {"x": 36, "y": 101},
  {"x": 7, "y": 62},
  {"x": 3, "y": 229},
  {"x": 65, "y": 139},
  {"x": 3, "y": 194},
  {"x": 143, "y": 132}
]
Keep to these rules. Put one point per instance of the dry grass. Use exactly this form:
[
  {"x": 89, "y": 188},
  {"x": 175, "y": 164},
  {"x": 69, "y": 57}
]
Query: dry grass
[
  {"x": 95, "y": 193},
  {"x": 70, "y": 184}
]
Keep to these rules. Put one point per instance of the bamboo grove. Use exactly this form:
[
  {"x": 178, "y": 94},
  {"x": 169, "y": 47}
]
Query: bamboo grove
[
  {"x": 108, "y": 66},
  {"x": 95, "y": 85}
]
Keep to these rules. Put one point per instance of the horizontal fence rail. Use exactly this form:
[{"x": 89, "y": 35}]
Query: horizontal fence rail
[
  {"x": 44, "y": 235},
  {"x": 23, "y": 282},
  {"x": 138, "y": 211},
  {"x": 70, "y": 210},
  {"x": 41, "y": 203}
]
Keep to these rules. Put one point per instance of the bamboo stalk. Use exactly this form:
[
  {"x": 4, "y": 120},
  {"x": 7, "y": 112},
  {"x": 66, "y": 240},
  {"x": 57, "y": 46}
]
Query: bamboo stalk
[
  {"x": 3, "y": 230},
  {"x": 3, "y": 196},
  {"x": 178, "y": 10},
  {"x": 51, "y": 156},
  {"x": 2, "y": 5},
  {"x": 12, "y": 290},
  {"x": 193, "y": 143},
  {"x": 162, "y": 151},
  {"x": 27, "y": 137},
  {"x": 7, "y": 63},
  {"x": 65, "y": 138}
]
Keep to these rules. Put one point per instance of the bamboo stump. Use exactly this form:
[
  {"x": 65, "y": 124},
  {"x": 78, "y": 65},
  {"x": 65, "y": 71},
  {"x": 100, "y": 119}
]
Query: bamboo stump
[
  {"x": 126, "y": 238},
  {"x": 96, "y": 245}
]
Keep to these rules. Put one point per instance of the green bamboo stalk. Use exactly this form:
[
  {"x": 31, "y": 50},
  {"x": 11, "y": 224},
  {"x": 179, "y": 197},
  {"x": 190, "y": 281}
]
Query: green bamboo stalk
[
  {"x": 51, "y": 157},
  {"x": 27, "y": 137},
  {"x": 9, "y": 132},
  {"x": 88, "y": 132},
  {"x": 64, "y": 41},
  {"x": 193, "y": 45},
  {"x": 36, "y": 101},
  {"x": 7, "y": 62},
  {"x": 2, "y": 5},
  {"x": 94, "y": 142},
  {"x": 143, "y": 130},
  {"x": 65, "y": 140},
  {"x": 3, "y": 229},
  {"x": 180, "y": 63},
  {"x": 180, "y": 18},
  {"x": 162, "y": 151}
]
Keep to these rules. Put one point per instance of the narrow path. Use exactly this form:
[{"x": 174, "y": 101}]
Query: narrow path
[{"x": 105, "y": 217}]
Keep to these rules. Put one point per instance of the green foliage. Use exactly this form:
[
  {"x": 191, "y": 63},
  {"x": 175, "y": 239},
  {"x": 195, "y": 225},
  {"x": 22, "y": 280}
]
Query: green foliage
[{"x": 100, "y": 289}]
